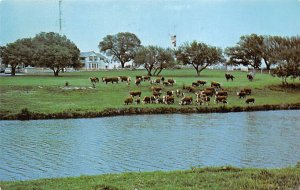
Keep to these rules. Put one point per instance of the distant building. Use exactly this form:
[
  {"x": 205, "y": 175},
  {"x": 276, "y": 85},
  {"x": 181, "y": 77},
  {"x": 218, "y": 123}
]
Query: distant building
[{"x": 92, "y": 60}]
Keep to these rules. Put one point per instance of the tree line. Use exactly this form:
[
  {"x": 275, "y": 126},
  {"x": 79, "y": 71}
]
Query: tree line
[{"x": 56, "y": 52}]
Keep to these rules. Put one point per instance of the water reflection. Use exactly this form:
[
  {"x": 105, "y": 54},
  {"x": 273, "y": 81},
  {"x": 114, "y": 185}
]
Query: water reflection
[{"x": 56, "y": 148}]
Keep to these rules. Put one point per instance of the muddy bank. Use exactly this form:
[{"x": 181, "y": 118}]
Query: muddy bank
[{"x": 26, "y": 114}]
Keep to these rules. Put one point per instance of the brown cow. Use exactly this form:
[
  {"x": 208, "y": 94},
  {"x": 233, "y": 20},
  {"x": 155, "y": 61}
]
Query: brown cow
[
  {"x": 201, "y": 82},
  {"x": 250, "y": 77},
  {"x": 135, "y": 93},
  {"x": 241, "y": 94},
  {"x": 128, "y": 100},
  {"x": 222, "y": 93},
  {"x": 147, "y": 100},
  {"x": 156, "y": 88},
  {"x": 222, "y": 99},
  {"x": 247, "y": 91},
  {"x": 110, "y": 79},
  {"x": 215, "y": 84},
  {"x": 249, "y": 100},
  {"x": 195, "y": 84},
  {"x": 229, "y": 76},
  {"x": 207, "y": 93},
  {"x": 148, "y": 78},
  {"x": 186, "y": 100},
  {"x": 94, "y": 80},
  {"x": 171, "y": 81},
  {"x": 138, "y": 81},
  {"x": 168, "y": 99}
]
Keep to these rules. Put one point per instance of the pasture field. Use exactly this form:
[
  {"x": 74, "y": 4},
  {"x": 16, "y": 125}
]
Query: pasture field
[
  {"x": 196, "y": 178},
  {"x": 44, "y": 93}
]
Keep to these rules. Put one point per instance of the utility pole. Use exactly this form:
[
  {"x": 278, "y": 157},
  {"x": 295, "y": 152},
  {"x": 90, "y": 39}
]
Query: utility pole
[{"x": 60, "y": 14}]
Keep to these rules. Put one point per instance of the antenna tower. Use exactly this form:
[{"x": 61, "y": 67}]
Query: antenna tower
[{"x": 60, "y": 16}]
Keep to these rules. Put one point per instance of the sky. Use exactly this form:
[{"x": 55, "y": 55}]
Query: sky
[{"x": 86, "y": 22}]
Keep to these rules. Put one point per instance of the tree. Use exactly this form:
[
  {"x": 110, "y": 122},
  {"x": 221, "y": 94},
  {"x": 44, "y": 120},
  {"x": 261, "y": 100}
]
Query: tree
[
  {"x": 154, "y": 59},
  {"x": 288, "y": 55},
  {"x": 121, "y": 47},
  {"x": 199, "y": 55},
  {"x": 18, "y": 53},
  {"x": 270, "y": 47},
  {"x": 55, "y": 52},
  {"x": 248, "y": 51}
]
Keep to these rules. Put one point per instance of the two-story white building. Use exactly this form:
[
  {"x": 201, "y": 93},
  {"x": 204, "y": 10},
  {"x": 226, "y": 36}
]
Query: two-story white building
[{"x": 92, "y": 60}]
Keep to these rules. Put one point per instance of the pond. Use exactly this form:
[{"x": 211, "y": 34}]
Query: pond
[{"x": 73, "y": 147}]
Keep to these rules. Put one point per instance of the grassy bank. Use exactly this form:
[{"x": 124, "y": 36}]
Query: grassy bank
[
  {"x": 198, "y": 178},
  {"x": 44, "y": 94}
]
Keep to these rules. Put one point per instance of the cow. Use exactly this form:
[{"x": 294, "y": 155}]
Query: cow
[
  {"x": 206, "y": 99},
  {"x": 222, "y": 99},
  {"x": 156, "y": 88},
  {"x": 171, "y": 81},
  {"x": 138, "y": 101},
  {"x": 135, "y": 93},
  {"x": 125, "y": 78},
  {"x": 166, "y": 83},
  {"x": 147, "y": 100},
  {"x": 222, "y": 93},
  {"x": 156, "y": 81},
  {"x": 94, "y": 80},
  {"x": 195, "y": 84},
  {"x": 250, "y": 77},
  {"x": 190, "y": 89},
  {"x": 110, "y": 79},
  {"x": 199, "y": 101},
  {"x": 207, "y": 93},
  {"x": 138, "y": 81},
  {"x": 201, "y": 82},
  {"x": 168, "y": 99},
  {"x": 247, "y": 91},
  {"x": 148, "y": 78},
  {"x": 186, "y": 100},
  {"x": 160, "y": 100},
  {"x": 215, "y": 85},
  {"x": 156, "y": 93},
  {"x": 170, "y": 93},
  {"x": 138, "y": 77},
  {"x": 128, "y": 100},
  {"x": 241, "y": 94},
  {"x": 229, "y": 76},
  {"x": 249, "y": 100}
]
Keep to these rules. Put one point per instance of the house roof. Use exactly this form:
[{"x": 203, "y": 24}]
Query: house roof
[{"x": 91, "y": 53}]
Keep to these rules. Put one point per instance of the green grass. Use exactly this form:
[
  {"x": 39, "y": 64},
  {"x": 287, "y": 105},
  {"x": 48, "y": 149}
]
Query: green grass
[
  {"x": 197, "y": 178},
  {"x": 42, "y": 93}
]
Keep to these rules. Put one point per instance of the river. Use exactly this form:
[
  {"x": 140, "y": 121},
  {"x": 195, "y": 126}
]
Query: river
[{"x": 73, "y": 147}]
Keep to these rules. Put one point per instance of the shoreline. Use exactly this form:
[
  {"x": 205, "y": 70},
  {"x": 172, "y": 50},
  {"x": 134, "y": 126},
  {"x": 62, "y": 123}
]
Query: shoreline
[{"x": 110, "y": 112}]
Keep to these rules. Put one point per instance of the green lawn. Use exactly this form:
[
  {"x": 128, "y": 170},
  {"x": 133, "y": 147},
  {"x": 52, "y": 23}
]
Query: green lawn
[
  {"x": 198, "y": 178},
  {"x": 43, "y": 93}
]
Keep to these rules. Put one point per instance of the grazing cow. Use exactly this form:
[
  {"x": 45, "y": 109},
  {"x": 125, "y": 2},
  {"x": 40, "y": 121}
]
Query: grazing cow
[
  {"x": 249, "y": 100},
  {"x": 247, "y": 91},
  {"x": 156, "y": 93},
  {"x": 153, "y": 99},
  {"x": 162, "y": 79},
  {"x": 128, "y": 100},
  {"x": 156, "y": 88},
  {"x": 222, "y": 93},
  {"x": 207, "y": 93},
  {"x": 229, "y": 76},
  {"x": 201, "y": 82},
  {"x": 186, "y": 100},
  {"x": 125, "y": 78},
  {"x": 94, "y": 80},
  {"x": 138, "y": 81},
  {"x": 215, "y": 85},
  {"x": 206, "y": 99},
  {"x": 135, "y": 93},
  {"x": 166, "y": 83},
  {"x": 138, "y": 101},
  {"x": 190, "y": 89},
  {"x": 147, "y": 100},
  {"x": 168, "y": 99},
  {"x": 170, "y": 93},
  {"x": 156, "y": 81},
  {"x": 195, "y": 84},
  {"x": 171, "y": 81},
  {"x": 241, "y": 94},
  {"x": 221, "y": 99},
  {"x": 110, "y": 79},
  {"x": 250, "y": 77},
  {"x": 148, "y": 78}
]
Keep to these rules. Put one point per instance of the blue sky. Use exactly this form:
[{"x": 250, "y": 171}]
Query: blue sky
[{"x": 86, "y": 22}]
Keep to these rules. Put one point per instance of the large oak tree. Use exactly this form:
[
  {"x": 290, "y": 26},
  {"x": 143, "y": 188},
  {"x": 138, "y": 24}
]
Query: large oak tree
[
  {"x": 154, "y": 59},
  {"x": 199, "y": 55},
  {"x": 55, "y": 52},
  {"x": 121, "y": 47},
  {"x": 18, "y": 53}
]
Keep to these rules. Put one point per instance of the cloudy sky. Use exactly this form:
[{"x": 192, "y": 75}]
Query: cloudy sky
[{"x": 86, "y": 22}]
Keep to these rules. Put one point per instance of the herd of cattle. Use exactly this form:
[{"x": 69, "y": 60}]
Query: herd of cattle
[{"x": 198, "y": 93}]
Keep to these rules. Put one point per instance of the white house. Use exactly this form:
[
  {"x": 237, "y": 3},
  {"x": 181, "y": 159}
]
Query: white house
[{"x": 92, "y": 60}]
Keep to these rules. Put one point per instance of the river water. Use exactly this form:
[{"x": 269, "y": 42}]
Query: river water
[{"x": 73, "y": 147}]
